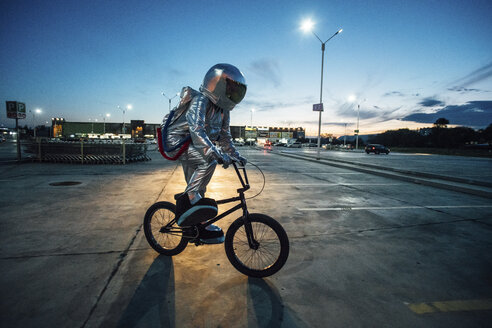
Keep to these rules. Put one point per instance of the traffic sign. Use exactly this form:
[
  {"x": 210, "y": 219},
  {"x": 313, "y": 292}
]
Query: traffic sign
[
  {"x": 318, "y": 107},
  {"x": 16, "y": 109},
  {"x": 21, "y": 110}
]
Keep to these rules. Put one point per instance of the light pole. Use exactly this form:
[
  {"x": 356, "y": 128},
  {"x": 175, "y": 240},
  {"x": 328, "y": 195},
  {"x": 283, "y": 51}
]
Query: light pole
[
  {"x": 345, "y": 136},
  {"x": 92, "y": 124},
  {"x": 252, "y": 111},
  {"x": 307, "y": 26},
  {"x": 124, "y": 109},
  {"x": 36, "y": 111},
  {"x": 104, "y": 121},
  {"x": 170, "y": 99},
  {"x": 352, "y": 98}
]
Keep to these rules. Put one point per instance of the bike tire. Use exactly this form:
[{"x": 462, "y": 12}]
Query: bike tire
[
  {"x": 273, "y": 246},
  {"x": 158, "y": 215}
]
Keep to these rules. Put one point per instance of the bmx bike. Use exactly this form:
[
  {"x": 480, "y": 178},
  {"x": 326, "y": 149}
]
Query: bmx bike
[{"x": 255, "y": 244}]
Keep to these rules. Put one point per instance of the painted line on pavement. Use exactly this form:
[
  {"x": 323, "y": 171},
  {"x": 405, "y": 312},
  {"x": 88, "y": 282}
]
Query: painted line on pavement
[
  {"x": 349, "y": 208},
  {"x": 451, "y": 306},
  {"x": 335, "y": 184}
]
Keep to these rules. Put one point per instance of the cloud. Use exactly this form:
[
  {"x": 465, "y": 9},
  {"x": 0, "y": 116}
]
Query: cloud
[
  {"x": 267, "y": 69},
  {"x": 476, "y": 76},
  {"x": 430, "y": 102},
  {"x": 475, "y": 114},
  {"x": 393, "y": 93},
  {"x": 261, "y": 106},
  {"x": 465, "y": 90},
  {"x": 399, "y": 94},
  {"x": 367, "y": 111}
]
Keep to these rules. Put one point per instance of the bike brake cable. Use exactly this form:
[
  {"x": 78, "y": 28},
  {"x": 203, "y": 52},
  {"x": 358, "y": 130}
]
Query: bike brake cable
[{"x": 264, "y": 180}]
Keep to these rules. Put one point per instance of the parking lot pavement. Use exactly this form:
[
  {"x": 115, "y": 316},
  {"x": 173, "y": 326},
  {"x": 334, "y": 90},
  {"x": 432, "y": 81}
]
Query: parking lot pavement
[
  {"x": 473, "y": 168},
  {"x": 365, "y": 251}
]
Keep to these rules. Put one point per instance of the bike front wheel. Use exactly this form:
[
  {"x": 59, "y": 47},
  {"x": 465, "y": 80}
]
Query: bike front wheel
[
  {"x": 269, "y": 250},
  {"x": 164, "y": 238}
]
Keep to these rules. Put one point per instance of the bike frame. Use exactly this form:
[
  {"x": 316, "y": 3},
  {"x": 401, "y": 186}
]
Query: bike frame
[{"x": 242, "y": 205}]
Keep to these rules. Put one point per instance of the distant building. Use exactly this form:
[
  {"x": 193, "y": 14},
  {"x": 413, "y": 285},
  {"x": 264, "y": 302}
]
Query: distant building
[{"x": 139, "y": 129}]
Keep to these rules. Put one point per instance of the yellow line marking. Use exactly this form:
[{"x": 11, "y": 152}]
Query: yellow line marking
[{"x": 451, "y": 306}]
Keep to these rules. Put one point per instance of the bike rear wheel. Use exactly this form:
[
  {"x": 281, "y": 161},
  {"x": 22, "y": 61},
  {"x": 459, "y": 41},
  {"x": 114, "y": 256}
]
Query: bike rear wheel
[
  {"x": 167, "y": 241},
  {"x": 270, "y": 252}
]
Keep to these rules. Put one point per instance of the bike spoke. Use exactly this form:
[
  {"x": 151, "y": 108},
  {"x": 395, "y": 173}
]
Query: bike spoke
[
  {"x": 268, "y": 250},
  {"x": 168, "y": 239}
]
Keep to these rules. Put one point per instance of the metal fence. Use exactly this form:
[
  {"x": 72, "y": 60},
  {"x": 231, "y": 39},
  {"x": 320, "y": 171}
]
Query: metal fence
[{"x": 87, "y": 152}]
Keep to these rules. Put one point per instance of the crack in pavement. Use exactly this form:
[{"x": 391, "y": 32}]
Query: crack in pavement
[
  {"x": 122, "y": 257},
  {"x": 349, "y": 232},
  {"x": 19, "y": 257}
]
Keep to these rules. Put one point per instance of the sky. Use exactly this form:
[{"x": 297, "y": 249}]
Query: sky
[{"x": 406, "y": 62}]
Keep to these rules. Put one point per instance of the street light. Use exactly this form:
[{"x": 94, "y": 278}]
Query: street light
[
  {"x": 123, "y": 109},
  {"x": 307, "y": 26},
  {"x": 104, "y": 121},
  {"x": 170, "y": 98},
  {"x": 92, "y": 123},
  {"x": 36, "y": 111},
  {"x": 352, "y": 99}
]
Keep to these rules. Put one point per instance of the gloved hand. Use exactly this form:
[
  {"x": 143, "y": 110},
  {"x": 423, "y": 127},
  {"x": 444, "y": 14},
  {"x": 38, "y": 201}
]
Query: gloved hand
[
  {"x": 242, "y": 160},
  {"x": 225, "y": 160}
]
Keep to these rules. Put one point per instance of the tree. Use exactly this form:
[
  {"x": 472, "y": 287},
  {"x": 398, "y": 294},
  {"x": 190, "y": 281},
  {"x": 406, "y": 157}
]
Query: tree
[{"x": 441, "y": 122}]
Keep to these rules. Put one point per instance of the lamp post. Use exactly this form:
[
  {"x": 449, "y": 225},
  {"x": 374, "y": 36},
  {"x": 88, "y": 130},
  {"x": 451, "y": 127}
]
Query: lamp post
[
  {"x": 92, "y": 124},
  {"x": 170, "y": 98},
  {"x": 104, "y": 121},
  {"x": 352, "y": 98},
  {"x": 124, "y": 109},
  {"x": 345, "y": 136},
  {"x": 307, "y": 26},
  {"x": 36, "y": 111}
]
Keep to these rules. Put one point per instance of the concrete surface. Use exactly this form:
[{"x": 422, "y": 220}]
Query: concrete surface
[{"x": 366, "y": 251}]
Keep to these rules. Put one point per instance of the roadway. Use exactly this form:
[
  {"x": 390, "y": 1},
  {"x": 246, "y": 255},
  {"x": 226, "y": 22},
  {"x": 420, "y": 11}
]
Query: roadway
[{"x": 365, "y": 250}]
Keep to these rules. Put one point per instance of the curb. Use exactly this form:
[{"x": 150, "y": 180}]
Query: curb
[{"x": 409, "y": 176}]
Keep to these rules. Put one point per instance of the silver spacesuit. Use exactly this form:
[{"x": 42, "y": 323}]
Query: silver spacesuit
[{"x": 205, "y": 116}]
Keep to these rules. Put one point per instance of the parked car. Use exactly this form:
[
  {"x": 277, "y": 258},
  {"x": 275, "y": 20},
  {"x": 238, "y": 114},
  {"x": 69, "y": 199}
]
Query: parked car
[
  {"x": 238, "y": 143},
  {"x": 376, "y": 149},
  {"x": 295, "y": 145}
]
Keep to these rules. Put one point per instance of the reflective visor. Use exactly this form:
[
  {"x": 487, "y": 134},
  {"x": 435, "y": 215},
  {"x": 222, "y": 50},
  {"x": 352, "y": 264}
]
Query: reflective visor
[{"x": 235, "y": 91}]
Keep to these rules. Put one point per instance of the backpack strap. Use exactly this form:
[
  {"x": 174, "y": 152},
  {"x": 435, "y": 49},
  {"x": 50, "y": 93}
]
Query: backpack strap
[{"x": 160, "y": 143}]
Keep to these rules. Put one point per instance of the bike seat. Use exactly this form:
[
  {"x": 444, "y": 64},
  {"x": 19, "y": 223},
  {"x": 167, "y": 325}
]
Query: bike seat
[{"x": 178, "y": 195}]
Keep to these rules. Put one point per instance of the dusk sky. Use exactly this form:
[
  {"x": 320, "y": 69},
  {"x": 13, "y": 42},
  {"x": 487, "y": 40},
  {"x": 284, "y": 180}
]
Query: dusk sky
[{"x": 407, "y": 62}]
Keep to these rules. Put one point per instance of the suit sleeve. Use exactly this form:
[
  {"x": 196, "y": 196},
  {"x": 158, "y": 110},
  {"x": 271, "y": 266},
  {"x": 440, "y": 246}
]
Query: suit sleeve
[
  {"x": 196, "y": 122},
  {"x": 225, "y": 140}
]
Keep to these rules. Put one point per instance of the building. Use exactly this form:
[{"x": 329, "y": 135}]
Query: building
[
  {"x": 61, "y": 128},
  {"x": 139, "y": 129}
]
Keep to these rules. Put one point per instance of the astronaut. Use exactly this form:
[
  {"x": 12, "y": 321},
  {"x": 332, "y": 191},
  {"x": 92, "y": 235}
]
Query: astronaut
[{"x": 203, "y": 119}]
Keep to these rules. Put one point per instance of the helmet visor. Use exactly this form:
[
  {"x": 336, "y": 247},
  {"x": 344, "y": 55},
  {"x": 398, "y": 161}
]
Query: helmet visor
[{"x": 235, "y": 91}]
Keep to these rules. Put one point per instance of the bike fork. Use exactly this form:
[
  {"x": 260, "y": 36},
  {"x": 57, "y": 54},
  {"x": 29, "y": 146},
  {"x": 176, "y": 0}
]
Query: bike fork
[{"x": 253, "y": 244}]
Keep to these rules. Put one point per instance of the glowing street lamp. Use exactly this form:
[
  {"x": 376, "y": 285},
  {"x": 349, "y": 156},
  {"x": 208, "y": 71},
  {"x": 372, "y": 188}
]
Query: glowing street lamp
[
  {"x": 36, "y": 111},
  {"x": 124, "y": 109},
  {"x": 170, "y": 98},
  {"x": 308, "y": 26}
]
